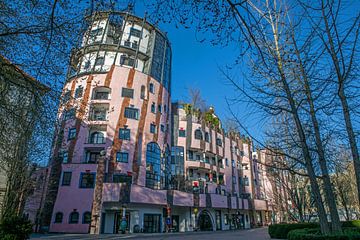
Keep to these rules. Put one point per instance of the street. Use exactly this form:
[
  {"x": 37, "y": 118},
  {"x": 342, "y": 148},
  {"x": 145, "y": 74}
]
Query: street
[{"x": 253, "y": 234}]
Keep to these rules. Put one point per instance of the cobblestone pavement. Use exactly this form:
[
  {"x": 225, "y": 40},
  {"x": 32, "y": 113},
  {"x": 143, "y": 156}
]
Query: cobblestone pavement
[{"x": 252, "y": 234}]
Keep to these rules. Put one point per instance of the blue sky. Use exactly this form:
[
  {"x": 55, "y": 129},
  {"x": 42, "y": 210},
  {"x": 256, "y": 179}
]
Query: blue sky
[{"x": 196, "y": 65}]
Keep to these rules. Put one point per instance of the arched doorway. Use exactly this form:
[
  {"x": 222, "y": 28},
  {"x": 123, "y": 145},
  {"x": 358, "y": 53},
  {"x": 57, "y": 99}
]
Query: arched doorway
[{"x": 204, "y": 221}]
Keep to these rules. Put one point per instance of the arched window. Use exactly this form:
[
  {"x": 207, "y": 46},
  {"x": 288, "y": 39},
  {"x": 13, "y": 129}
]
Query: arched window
[
  {"x": 154, "y": 175},
  {"x": 142, "y": 92},
  {"x": 74, "y": 217},
  {"x": 97, "y": 137},
  {"x": 59, "y": 217},
  {"x": 198, "y": 134},
  {"x": 87, "y": 217}
]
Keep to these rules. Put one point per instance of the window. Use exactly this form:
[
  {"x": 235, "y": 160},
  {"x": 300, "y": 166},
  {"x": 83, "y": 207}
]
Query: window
[
  {"x": 151, "y": 88},
  {"x": 153, "y": 107},
  {"x": 66, "y": 96},
  {"x": 87, "y": 65},
  {"x": 218, "y": 142},
  {"x": 97, "y": 138},
  {"x": 74, "y": 217},
  {"x": 162, "y": 128},
  {"x": 86, "y": 218},
  {"x": 135, "y": 32},
  {"x": 122, "y": 157},
  {"x": 98, "y": 113},
  {"x": 152, "y": 223},
  {"x": 182, "y": 133},
  {"x": 190, "y": 155},
  {"x": 159, "y": 108},
  {"x": 207, "y": 137},
  {"x": 152, "y": 128},
  {"x": 101, "y": 93},
  {"x": 66, "y": 179},
  {"x": 132, "y": 113},
  {"x": 127, "y": 60},
  {"x": 165, "y": 108},
  {"x": 72, "y": 133},
  {"x": 79, "y": 91},
  {"x": 96, "y": 32},
  {"x": 246, "y": 181},
  {"x": 198, "y": 134},
  {"x": 69, "y": 114},
  {"x": 198, "y": 157},
  {"x": 154, "y": 174},
  {"x": 127, "y": 92},
  {"x": 233, "y": 163},
  {"x": 87, "y": 180},
  {"x": 207, "y": 159},
  {"x": 142, "y": 92},
  {"x": 226, "y": 162},
  {"x": 122, "y": 178},
  {"x": 99, "y": 61},
  {"x": 134, "y": 45},
  {"x": 127, "y": 43},
  {"x": 234, "y": 180},
  {"x": 124, "y": 134},
  {"x": 92, "y": 157},
  {"x": 220, "y": 163},
  {"x": 59, "y": 217},
  {"x": 64, "y": 156}
]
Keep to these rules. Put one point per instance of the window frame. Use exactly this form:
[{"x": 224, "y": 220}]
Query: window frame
[
  {"x": 122, "y": 154},
  {"x": 124, "y": 134},
  {"x": 70, "y": 217},
  {"x": 63, "y": 177},
  {"x": 56, "y": 217},
  {"x": 81, "y": 180},
  {"x": 71, "y": 133}
]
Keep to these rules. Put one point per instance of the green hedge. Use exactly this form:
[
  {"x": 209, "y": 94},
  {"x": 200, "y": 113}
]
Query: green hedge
[
  {"x": 281, "y": 230},
  {"x": 315, "y": 234},
  {"x": 351, "y": 224},
  {"x": 15, "y": 228}
]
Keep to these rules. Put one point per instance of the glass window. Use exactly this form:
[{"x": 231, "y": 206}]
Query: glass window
[
  {"x": 127, "y": 60},
  {"x": 154, "y": 174},
  {"x": 66, "y": 179},
  {"x": 234, "y": 179},
  {"x": 127, "y": 92},
  {"x": 182, "y": 133},
  {"x": 92, "y": 156},
  {"x": 97, "y": 138},
  {"x": 246, "y": 181},
  {"x": 158, "y": 58},
  {"x": 233, "y": 163},
  {"x": 69, "y": 114},
  {"x": 124, "y": 133},
  {"x": 98, "y": 114},
  {"x": 99, "y": 61},
  {"x": 122, "y": 157},
  {"x": 87, "y": 180},
  {"x": 198, "y": 134},
  {"x": 162, "y": 128},
  {"x": 152, "y": 128},
  {"x": 165, "y": 108},
  {"x": 87, "y": 217},
  {"x": 152, "y": 223},
  {"x": 72, "y": 133},
  {"x": 151, "y": 88},
  {"x": 218, "y": 142},
  {"x": 190, "y": 155},
  {"x": 59, "y": 217},
  {"x": 64, "y": 156},
  {"x": 122, "y": 178},
  {"x": 207, "y": 137},
  {"x": 132, "y": 113},
  {"x": 66, "y": 96},
  {"x": 159, "y": 108},
  {"x": 74, "y": 217},
  {"x": 142, "y": 93},
  {"x": 153, "y": 107},
  {"x": 135, "y": 32},
  {"x": 79, "y": 91},
  {"x": 226, "y": 162}
]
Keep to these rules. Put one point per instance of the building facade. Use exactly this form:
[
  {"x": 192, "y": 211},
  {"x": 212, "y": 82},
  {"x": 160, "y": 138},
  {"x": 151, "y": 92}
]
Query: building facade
[{"x": 125, "y": 158}]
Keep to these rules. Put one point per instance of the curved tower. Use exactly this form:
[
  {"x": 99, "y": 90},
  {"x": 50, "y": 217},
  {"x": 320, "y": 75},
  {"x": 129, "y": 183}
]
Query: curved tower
[{"x": 112, "y": 143}]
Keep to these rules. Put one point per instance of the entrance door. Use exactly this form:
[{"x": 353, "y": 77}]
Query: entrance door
[
  {"x": 117, "y": 221},
  {"x": 204, "y": 221},
  {"x": 175, "y": 223},
  {"x": 152, "y": 223}
]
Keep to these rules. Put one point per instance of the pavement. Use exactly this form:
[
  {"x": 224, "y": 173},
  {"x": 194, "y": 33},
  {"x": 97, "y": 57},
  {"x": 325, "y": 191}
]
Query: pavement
[{"x": 251, "y": 234}]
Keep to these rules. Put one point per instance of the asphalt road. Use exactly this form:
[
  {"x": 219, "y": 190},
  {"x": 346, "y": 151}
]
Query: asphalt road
[{"x": 252, "y": 234}]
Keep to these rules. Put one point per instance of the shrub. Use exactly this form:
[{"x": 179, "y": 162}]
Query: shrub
[
  {"x": 282, "y": 230},
  {"x": 15, "y": 228},
  {"x": 352, "y": 224},
  {"x": 315, "y": 234}
]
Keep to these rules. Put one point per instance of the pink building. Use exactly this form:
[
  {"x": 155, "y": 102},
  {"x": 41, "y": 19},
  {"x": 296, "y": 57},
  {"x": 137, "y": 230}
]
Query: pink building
[{"x": 122, "y": 151}]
